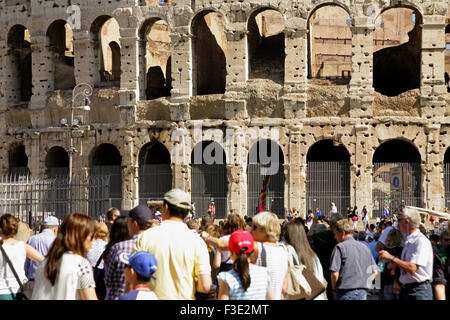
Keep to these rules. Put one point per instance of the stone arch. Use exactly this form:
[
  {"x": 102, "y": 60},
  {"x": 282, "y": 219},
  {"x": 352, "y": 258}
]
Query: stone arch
[
  {"x": 328, "y": 176},
  {"x": 18, "y": 160},
  {"x": 154, "y": 59},
  {"x": 60, "y": 41},
  {"x": 208, "y": 53},
  {"x": 265, "y": 42},
  {"x": 266, "y": 159},
  {"x": 209, "y": 178},
  {"x": 330, "y": 56},
  {"x": 105, "y": 167},
  {"x": 19, "y": 87},
  {"x": 396, "y": 153},
  {"x": 155, "y": 173},
  {"x": 104, "y": 30},
  {"x": 397, "y": 55},
  {"x": 57, "y": 161}
]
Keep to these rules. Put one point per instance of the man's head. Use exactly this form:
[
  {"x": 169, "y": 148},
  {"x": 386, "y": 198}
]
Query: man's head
[
  {"x": 140, "y": 266},
  {"x": 362, "y": 236},
  {"x": 112, "y": 214},
  {"x": 372, "y": 227},
  {"x": 342, "y": 229},
  {"x": 177, "y": 203},
  {"x": 192, "y": 224},
  {"x": 334, "y": 219},
  {"x": 140, "y": 219},
  {"x": 444, "y": 239},
  {"x": 52, "y": 223},
  {"x": 409, "y": 220}
]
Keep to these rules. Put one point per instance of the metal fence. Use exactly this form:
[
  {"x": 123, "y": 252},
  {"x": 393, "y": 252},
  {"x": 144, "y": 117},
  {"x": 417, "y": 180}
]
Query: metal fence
[
  {"x": 154, "y": 181},
  {"x": 32, "y": 199}
]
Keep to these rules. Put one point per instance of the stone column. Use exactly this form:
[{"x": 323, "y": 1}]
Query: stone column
[
  {"x": 361, "y": 85},
  {"x": 86, "y": 66},
  {"x": 432, "y": 85},
  {"x": 180, "y": 159},
  {"x": 9, "y": 80},
  {"x": 32, "y": 149},
  {"x": 42, "y": 71},
  {"x": 362, "y": 187},
  {"x": 130, "y": 174},
  {"x": 129, "y": 78},
  {"x": 434, "y": 182},
  {"x": 293, "y": 169},
  {"x": 295, "y": 74}
]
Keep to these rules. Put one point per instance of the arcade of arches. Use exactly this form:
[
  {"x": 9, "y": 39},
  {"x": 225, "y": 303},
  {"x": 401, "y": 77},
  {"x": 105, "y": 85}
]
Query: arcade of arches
[{"x": 317, "y": 74}]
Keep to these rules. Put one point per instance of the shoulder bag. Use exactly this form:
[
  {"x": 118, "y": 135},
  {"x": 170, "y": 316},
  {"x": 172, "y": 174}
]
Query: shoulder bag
[
  {"x": 300, "y": 282},
  {"x": 99, "y": 277},
  {"x": 23, "y": 294}
]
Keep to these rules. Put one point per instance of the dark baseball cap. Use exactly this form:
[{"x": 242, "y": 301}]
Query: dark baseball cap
[{"x": 142, "y": 214}]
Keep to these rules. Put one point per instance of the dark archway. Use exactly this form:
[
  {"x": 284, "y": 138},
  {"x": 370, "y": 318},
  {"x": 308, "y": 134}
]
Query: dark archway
[
  {"x": 396, "y": 63},
  {"x": 395, "y": 154},
  {"x": 18, "y": 160},
  {"x": 265, "y": 160},
  {"x": 106, "y": 168},
  {"x": 155, "y": 173},
  {"x": 20, "y": 86},
  {"x": 208, "y": 54},
  {"x": 266, "y": 48},
  {"x": 209, "y": 178},
  {"x": 57, "y": 162},
  {"x": 328, "y": 176}
]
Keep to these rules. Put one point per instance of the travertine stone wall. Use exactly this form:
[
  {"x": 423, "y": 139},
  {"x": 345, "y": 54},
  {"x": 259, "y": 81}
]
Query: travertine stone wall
[{"x": 352, "y": 115}]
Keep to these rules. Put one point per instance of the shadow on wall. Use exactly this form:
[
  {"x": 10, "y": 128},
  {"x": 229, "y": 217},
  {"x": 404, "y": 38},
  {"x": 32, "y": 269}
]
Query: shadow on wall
[{"x": 397, "y": 69}]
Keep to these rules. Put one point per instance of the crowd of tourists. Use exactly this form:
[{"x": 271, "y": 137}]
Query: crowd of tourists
[{"x": 144, "y": 255}]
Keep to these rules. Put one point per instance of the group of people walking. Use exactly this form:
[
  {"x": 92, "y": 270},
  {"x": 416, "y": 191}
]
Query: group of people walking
[{"x": 138, "y": 256}]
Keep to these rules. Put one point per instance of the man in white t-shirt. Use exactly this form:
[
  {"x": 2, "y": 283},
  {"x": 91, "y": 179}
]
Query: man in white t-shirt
[{"x": 416, "y": 261}]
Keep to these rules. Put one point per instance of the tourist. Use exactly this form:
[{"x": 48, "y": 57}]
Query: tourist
[
  {"x": 416, "y": 261},
  {"x": 42, "y": 243},
  {"x": 139, "y": 220},
  {"x": 66, "y": 274},
  {"x": 354, "y": 216},
  {"x": 365, "y": 218},
  {"x": 390, "y": 273},
  {"x": 352, "y": 266},
  {"x": 17, "y": 252},
  {"x": 111, "y": 215},
  {"x": 96, "y": 257},
  {"x": 245, "y": 281},
  {"x": 441, "y": 267},
  {"x": 139, "y": 269},
  {"x": 183, "y": 260}
]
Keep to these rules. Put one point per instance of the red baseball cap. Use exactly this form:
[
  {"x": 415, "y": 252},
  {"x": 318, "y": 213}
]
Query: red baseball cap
[{"x": 241, "y": 239}]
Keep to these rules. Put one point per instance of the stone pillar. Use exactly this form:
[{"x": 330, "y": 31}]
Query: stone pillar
[
  {"x": 237, "y": 188},
  {"x": 129, "y": 78},
  {"x": 295, "y": 74},
  {"x": 181, "y": 62},
  {"x": 9, "y": 80},
  {"x": 130, "y": 174},
  {"x": 42, "y": 71},
  {"x": 432, "y": 85},
  {"x": 86, "y": 66},
  {"x": 434, "y": 179},
  {"x": 32, "y": 149},
  {"x": 180, "y": 159},
  {"x": 293, "y": 169},
  {"x": 361, "y": 90},
  {"x": 362, "y": 187}
]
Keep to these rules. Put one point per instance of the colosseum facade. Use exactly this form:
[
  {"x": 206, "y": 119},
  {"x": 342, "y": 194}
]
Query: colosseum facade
[{"x": 230, "y": 78}]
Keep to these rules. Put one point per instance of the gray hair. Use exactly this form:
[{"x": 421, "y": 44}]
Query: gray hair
[{"x": 413, "y": 216}]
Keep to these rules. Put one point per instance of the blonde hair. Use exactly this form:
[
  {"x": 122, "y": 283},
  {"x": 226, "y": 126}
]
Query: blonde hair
[
  {"x": 268, "y": 223},
  {"x": 101, "y": 231},
  {"x": 394, "y": 239}
]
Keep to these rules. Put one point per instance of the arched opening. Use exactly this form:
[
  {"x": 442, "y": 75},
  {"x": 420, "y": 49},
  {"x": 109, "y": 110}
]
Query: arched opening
[
  {"x": 106, "y": 170},
  {"x": 208, "y": 54},
  {"x": 18, "y": 161},
  {"x": 209, "y": 178},
  {"x": 265, "y": 172},
  {"x": 105, "y": 33},
  {"x": 19, "y": 88},
  {"x": 265, "y": 42},
  {"x": 328, "y": 176},
  {"x": 447, "y": 57},
  {"x": 154, "y": 55},
  {"x": 397, "y": 47},
  {"x": 60, "y": 38},
  {"x": 155, "y": 173},
  {"x": 399, "y": 160},
  {"x": 57, "y": 162},
  {"x": 330, "y": 44}
]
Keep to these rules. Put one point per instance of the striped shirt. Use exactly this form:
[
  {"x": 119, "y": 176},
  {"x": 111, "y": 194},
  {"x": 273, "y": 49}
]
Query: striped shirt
[
  {"x": 259, "y": 284},
  {"x": 115, "y": 269}
]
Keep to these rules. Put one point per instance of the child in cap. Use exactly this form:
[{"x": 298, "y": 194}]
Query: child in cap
[
  {"x": 139, "y": 268},
  {"x": 245, "y": 281}
]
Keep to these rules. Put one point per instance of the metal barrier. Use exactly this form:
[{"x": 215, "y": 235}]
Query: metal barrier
[{"x": 32, "y": 199}]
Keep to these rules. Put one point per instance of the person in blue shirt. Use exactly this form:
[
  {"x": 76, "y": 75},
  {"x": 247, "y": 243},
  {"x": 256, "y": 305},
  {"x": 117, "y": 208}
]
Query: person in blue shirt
[
  {"x": 385, "y": 213},
  {"x": 42, "y": 243}
]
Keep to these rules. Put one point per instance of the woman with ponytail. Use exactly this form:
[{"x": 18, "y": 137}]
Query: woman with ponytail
[
  {"x": 245, "y": 281},
  {"x": 66, "y": 274}
]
